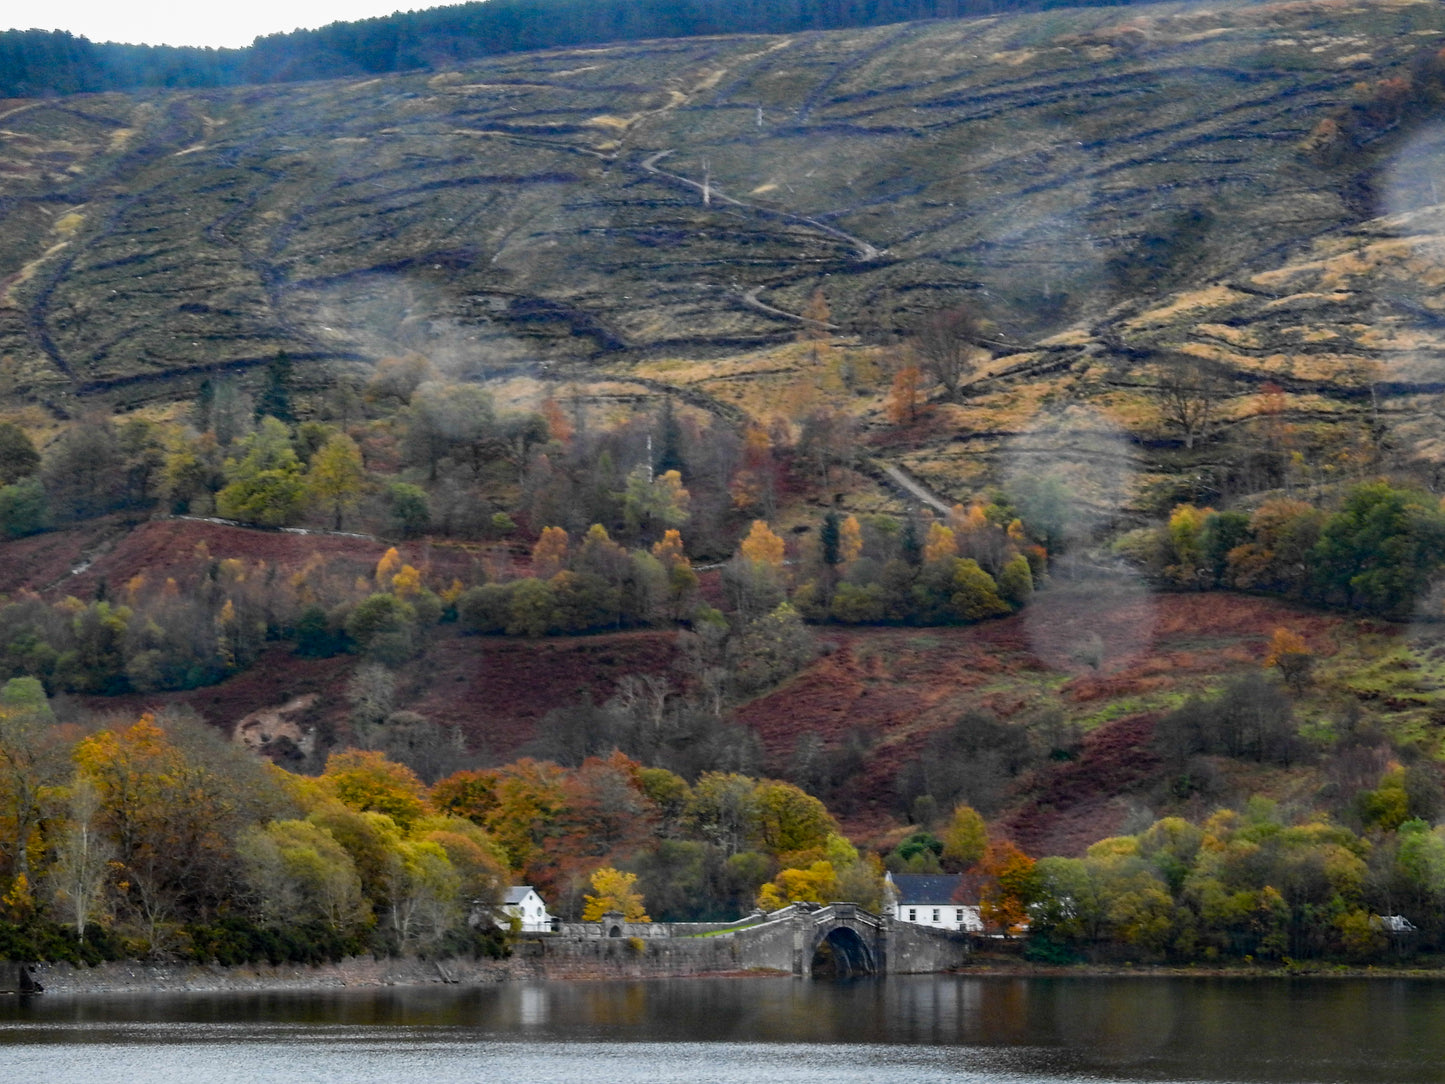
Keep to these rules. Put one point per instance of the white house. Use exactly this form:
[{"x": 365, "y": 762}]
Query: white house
[
  {"x": 523, "y": 903},
  {"x": 943, "y": 901}
]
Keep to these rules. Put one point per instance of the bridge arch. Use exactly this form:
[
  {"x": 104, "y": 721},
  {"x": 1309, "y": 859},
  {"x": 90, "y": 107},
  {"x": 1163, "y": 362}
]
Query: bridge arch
[{"x": 842, "y": 952}]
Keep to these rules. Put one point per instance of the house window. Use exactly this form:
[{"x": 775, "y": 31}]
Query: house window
[
  {"x": 912, "y": 915},
  {"x": 958, "y": 915},
  {"x": 935, "y": 914}
]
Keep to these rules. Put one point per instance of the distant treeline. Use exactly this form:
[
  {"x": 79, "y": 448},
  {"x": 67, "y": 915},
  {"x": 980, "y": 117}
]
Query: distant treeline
[{"x": 39, "y": 63}]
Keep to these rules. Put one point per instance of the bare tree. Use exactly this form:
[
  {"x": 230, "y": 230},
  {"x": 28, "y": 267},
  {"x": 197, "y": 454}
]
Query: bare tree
[
  {"x": 1190, "y": 390},
  {"x": 947, "y": 346},
  {"x": 82, "y": 861}
]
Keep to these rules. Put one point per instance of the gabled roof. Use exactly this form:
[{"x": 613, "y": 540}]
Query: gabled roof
[
  {"x": 517, "y": 893},
  {"x": 930, "y": 890}
]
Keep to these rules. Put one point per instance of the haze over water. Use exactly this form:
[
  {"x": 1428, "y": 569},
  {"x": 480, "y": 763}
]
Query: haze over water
[{"x": 731, "y": 1031}]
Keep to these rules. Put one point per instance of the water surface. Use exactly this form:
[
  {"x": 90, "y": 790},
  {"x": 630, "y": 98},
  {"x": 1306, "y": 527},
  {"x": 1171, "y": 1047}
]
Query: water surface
[{"x": 741, "y": 1031}]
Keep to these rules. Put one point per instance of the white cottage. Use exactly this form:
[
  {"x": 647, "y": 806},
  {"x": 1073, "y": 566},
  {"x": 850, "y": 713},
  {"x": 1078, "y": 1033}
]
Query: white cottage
[
  {"x": 943, "y": 901},
  {"x": 523, "y": 903}
]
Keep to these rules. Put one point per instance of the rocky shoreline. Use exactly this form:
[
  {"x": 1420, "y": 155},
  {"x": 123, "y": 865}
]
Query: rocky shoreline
[
  {"x": 366, "y": 972},
  {"x": 359, "y": 971}
]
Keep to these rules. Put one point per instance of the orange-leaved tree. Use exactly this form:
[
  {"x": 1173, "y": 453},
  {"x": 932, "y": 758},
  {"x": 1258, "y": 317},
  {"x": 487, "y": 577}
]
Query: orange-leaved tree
[
  {"x": 1009, "y": 887},
  {"x": 903, "y": 396},
  {"x": 1292, "y": 656}
]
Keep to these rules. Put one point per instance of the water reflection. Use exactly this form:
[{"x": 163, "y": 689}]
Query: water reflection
[
  {"x": 532, "y": 1006},
  {"x": 932, "y": 1027}
]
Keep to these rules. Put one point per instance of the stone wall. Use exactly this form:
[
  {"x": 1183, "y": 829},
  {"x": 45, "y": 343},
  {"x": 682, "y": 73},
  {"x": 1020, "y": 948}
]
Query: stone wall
[
  {"x": 630, "y": 957},
  {"x": 17, "y": 978},
  {"x": 913, "y": 949},
  {"x": 548, "y": 956}
]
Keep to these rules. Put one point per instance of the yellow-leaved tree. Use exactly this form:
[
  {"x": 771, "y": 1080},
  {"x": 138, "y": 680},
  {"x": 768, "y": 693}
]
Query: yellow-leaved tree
[
  {"x": 850, "y": 541},
  {"x": 387, "y": 568},
  {"x": 614, "y": 891},
  {"x": 549, "y": 555},
  {"x": 940, "y": 544},
  {"x": 965, "y": 839},
  {"x": 762, "y": 546}
]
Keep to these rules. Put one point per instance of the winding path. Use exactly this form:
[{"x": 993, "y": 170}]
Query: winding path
[
  {"x": 914, "y": 488},
  {"x": 866, "y": 250}
]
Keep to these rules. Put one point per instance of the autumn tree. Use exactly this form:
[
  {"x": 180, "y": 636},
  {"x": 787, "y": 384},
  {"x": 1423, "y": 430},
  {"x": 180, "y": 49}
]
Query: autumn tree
[
  {"x": 1186, "y": 546},
  {"x": 298, "y": 874},
  {"x": 754, "y": 578},
  {"x": 1009, "y": 886},
  {"x": 788, "y": 819},
  {"x": 940, "y": 544},
  {"x": 903, "y": 395},
  {"x": 478, "y": 860},
  {"x": 529, "y": 801},
  {"x": 1289, "y": 653},
  {"x": 468, "y": 793},
  {"x": 1276, "y": 556},
  {"x": 368, "y": 782},
  {"x": 558, "y": 427},
  {"x": 172, "y": 799},
  {"x": 965, "y": 838},
  {"x": 682, "y": 581},
  {"x": 336, "y": 478},
  {"x": 549, "y": 555},
  {"x": 614, "y": 891},
  {"x": 753, "y": 487},
  {"x": 762, "y": 546},
  {"x": 817, "y": 883}
]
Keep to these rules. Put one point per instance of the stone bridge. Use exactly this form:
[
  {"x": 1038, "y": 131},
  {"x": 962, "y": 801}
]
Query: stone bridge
[
  {"x": 840, "y": 939},
  {"x": 843, "y": 939}
]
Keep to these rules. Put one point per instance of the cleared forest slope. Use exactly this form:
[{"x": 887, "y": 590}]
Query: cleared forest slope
[{"x": 638, "y": 200}]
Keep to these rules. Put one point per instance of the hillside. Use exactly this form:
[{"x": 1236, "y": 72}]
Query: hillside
[
  {"x": 548, "y": 209},
  {"x": 756, "y": 227},
  {"x": 884, "y": 694}
]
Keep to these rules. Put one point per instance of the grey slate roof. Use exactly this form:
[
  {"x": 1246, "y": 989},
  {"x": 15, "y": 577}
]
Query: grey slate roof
[
  {"x": 927, "y": 890},
  {"x": 517, "y": 893}
]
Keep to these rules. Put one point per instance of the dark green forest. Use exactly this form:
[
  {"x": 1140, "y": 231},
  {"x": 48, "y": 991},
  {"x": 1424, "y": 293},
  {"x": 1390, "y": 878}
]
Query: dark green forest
[{"x": 40, "y": 63}]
